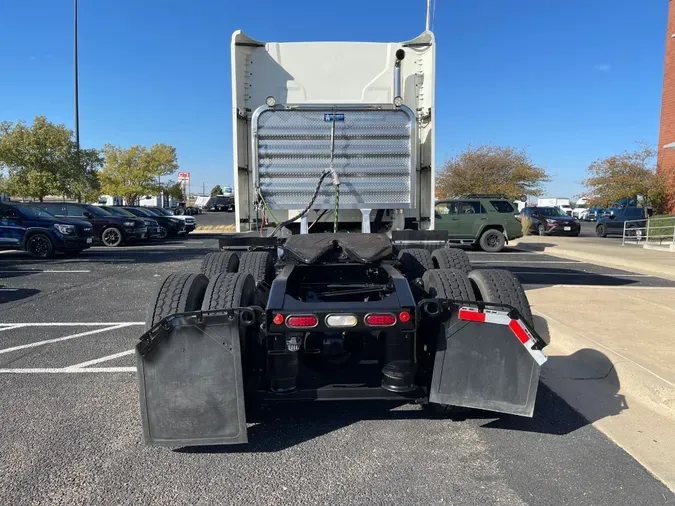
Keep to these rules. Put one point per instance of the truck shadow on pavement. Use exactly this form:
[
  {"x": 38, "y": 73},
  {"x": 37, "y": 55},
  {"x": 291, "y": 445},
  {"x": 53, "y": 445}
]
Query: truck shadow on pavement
[
  {"x": 546, "y": 276},
  {"x": 281, "y": 426}
]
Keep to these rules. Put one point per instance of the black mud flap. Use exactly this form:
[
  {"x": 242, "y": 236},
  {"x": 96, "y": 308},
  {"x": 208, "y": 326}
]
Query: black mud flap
[
  {"x": 483, "y": 365},
  {"x": 190, "y": 381}
]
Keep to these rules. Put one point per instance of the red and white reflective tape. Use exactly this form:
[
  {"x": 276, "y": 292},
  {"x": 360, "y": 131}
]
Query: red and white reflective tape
[{"x": 473, "y": 314}]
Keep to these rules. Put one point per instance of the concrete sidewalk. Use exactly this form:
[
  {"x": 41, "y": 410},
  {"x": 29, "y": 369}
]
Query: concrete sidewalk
[
  {"x": 609, "y": 254},
  {"x": 611, "y": 357}
]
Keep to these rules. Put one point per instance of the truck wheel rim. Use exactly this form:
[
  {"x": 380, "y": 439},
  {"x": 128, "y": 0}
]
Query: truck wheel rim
[
  {"x": 162, "y": 233},
  {"x": 39, "y": 246},
  {"x": 542, "y": 230},
  {"x": 111, "y": 237}
]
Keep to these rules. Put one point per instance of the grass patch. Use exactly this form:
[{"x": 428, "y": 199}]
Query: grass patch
[
  {"x": 525, "y": 224},
  {"x": 659, "y": 235},
  {"x": 217, "y": 228}
]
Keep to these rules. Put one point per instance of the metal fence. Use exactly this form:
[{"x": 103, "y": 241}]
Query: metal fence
[{"x": 656, "y": 231}]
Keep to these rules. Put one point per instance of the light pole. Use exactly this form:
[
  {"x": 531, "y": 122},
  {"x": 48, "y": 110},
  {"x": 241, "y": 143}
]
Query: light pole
[{"x": 77, "y": 94}]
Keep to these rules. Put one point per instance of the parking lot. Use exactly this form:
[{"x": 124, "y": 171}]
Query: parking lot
[{"x": 71, "y": 428}]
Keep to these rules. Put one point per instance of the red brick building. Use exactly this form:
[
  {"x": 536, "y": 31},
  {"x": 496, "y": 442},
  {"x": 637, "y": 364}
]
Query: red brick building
[{"x": 667, "y": 130}]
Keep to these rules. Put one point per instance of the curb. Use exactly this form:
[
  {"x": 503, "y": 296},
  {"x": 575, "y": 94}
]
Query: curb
[
  {"x": 663, "y": 271},
  {"x": 632, "y": 406}
]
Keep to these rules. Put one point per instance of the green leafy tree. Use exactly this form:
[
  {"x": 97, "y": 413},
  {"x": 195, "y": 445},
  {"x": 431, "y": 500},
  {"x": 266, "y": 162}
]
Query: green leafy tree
[
  {"x": 134, "y": 172},
  {"x": 80, "y": 178},
  {"x": 34, "y": 157},
  {"x": 627, "y": 175},
  {"x": 491, "y": 169},
  {"x": 174, "y": 190},
  {"x": 216, "y": 190}
]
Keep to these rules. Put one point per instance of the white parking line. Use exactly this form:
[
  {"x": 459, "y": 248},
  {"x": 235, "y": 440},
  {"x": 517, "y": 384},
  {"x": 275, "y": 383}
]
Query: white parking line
[
  {"x": 71, "y": 324},
  {"x": 99, "y": 360},
  {"x": 66, "y": 370},
  {"x": 60, "y": 339},
  {"x": 37, "y": 271},
  {"x": 10, "y": 327}
]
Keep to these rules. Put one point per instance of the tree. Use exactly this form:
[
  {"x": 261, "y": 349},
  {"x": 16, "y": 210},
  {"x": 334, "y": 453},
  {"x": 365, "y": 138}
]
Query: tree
[
  {"x": 627, "y": 175},
  {"x": 80, "y": 179},
  {"x": 134, "y": 172},
  {"x": 216, "y": 190},
  {"x": 491, "y": 169},
  {"x": 174, "y": 190},
  {"x": 34, "y": 157}
]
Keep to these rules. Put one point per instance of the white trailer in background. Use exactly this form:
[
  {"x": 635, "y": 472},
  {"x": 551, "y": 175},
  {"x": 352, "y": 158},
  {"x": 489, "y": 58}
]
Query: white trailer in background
[
  {"x": 364, "y": 109},
  {"x": 562, "y": 203}
]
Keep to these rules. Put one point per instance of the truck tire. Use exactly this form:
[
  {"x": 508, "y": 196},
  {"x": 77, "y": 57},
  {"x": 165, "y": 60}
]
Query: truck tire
[
  {"x": 219, "y": 261},
  {"x": 415, "y": 262},
  {"x": 451, "y": 258},
  {"x": 178, "y": 293},
  {"x": 494, "y": 285},
  {"x": 40, "y": 246},
  {"x": 232, "y": 290},
  {"x": 448, "y": 284},
  {"x": 601, "y": 230},
  {"x": 259, "y": 264},
  {"x": 492, "y": 241}
]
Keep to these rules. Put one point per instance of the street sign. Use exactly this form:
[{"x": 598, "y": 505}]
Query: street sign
[{"x": 183, "y": 177}]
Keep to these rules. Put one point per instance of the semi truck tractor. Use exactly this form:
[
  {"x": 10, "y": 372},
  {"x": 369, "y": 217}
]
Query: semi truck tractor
[{"x": 336, "y": 285}]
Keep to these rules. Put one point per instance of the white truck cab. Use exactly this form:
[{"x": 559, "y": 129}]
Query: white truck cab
[{"x": 363, "y": 111}]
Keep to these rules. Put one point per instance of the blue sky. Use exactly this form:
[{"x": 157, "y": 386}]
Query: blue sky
[{"x": 570, "y": 80}]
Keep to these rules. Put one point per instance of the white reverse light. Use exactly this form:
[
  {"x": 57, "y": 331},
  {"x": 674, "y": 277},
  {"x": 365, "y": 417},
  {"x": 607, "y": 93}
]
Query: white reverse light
[
  {"x": 270, "y": 101},
  {"x": 341, "y": 320}
]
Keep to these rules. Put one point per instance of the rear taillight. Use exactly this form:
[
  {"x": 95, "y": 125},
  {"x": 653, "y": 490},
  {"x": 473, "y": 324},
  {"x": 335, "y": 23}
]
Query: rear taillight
[
  {"x": 302, "y": 321},
  {"x": 380, "y": 320}
]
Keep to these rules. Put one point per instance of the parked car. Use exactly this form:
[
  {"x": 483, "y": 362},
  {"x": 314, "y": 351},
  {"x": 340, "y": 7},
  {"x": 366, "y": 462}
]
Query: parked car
[
  {"x": 485, "y": 221},
  {"x": 41, "y": 234},
  {"x": 109, "y": 230},
  {"x": 579, "y": 212},
  {"x": 592, "y": 213},
  {"x": 612, "y": 223},
  {"x": 551, "y": 221},
  {"x": 151, "y": 225},
  {"x": 169, "y": 226},
  {"x": 190, "y": 222}
]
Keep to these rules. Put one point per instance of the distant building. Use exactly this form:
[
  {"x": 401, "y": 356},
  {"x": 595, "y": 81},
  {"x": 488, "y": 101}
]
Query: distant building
[{"x": 666, "y": 156}]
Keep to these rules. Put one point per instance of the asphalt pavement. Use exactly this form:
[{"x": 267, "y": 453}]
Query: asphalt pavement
[{"x": 71, "y": 427}]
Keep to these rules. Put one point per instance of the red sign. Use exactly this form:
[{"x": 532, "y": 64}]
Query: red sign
[{"x": 184, "y": 176}]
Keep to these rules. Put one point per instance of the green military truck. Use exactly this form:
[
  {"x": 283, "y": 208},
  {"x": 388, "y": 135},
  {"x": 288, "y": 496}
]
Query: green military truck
[{"x": 486, "y": 221}]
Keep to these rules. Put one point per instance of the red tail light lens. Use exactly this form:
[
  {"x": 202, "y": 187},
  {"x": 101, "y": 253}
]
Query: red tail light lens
[
  {"x": 302, "y": 321},
  {"x": 404, "y": 317},
  {"x": 278, "y": 319},
  {"x": 380, "y": 320}
]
